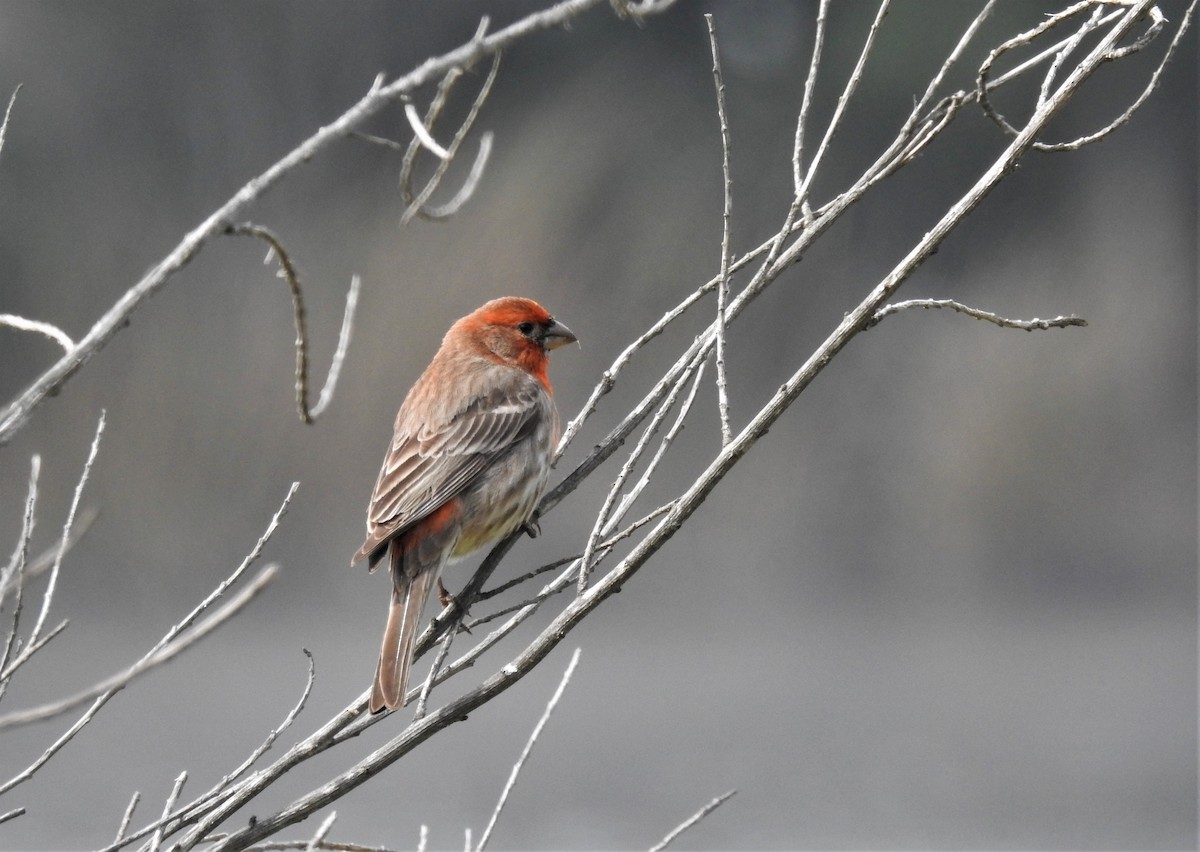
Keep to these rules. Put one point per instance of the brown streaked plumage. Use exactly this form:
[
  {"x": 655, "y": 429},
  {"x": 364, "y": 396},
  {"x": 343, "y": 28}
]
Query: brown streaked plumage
[{"x": 466, "y": 465}]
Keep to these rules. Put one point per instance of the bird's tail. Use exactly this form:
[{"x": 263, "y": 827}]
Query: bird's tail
[{"x": 410, "y": 589}]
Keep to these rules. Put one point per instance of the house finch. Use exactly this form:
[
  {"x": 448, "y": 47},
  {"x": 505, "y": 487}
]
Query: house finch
[{"x": 467, "y": 463}]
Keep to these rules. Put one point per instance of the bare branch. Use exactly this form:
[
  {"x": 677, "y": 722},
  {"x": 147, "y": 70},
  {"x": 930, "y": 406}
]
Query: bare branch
[
  {"x": 32, "y": 648},
  {"x": 691, "y": 821},
  {"x": 601, "y": 548},
  {"x": 996, "y": 319},
  {"x": 13, "y": 814}
]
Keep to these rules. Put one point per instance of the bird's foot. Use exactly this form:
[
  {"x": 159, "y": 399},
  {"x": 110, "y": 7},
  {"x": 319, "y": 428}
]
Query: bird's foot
[{"x": 446, "y": 599}]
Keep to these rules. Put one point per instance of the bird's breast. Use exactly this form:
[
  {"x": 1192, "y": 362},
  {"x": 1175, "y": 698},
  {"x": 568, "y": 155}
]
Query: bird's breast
[{"x": 506, "y": 493}]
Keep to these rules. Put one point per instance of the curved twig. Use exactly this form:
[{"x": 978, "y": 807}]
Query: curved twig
[
  {"x": 37, "y": 326},
  {"x": 417, "y": 205},
  {"x": 1132, "y": 11},
  {"x": 987, "y": 316},
  {"x": 287, "y": 271}
]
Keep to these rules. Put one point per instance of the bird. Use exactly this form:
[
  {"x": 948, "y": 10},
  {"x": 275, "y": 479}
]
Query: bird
[{"x": 468, "y": 461}]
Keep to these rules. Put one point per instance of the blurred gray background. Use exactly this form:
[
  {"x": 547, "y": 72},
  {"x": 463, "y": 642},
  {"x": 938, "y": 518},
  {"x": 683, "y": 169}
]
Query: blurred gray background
[{"x": 949, "y": 601}]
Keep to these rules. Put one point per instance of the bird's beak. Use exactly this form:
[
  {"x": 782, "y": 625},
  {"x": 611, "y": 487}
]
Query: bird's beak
[{"x": 557, "y": 335}]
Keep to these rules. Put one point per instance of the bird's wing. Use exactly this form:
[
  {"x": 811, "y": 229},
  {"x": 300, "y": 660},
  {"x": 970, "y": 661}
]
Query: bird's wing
[{"x": 426, "y": 467}]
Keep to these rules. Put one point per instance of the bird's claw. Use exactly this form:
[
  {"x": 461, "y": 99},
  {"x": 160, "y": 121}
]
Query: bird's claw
[
  {"x": 446, "y": 599},
  {"x": 531, "y": 528}
]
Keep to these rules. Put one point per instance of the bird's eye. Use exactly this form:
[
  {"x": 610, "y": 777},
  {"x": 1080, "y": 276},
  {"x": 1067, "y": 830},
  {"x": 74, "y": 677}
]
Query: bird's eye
[{"x": 525, "y": 327}]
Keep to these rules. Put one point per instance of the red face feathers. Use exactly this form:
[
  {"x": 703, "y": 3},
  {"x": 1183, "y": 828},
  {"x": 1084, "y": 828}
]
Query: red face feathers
[{"x": 511, "y": 330}]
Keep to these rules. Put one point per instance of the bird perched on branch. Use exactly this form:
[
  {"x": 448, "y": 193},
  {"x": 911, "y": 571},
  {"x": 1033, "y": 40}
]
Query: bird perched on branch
[{"x": 467, "y": 464}]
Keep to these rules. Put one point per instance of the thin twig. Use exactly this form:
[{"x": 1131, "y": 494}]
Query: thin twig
[
  {"x": 1127, "y": 114},
  {"x": 8, "y": 114},
  {"x": 13, "y": 814},
  {"x": 43, "y": 328},
  {"x": 287, "y": 271},
  {"x": 810, "y": 83},
  {"x": 726, "y": 218},
  {"x": 55, "y": 747},
  {"x": 156, "y": 840},
  {"x": 32, "y": 642},
  {"x": 381, "y": 141},
  {"x": 339, "y": 353},
  {"x": 665, "y": 444},
  {"x": 995, "y": 319},
  {"x": 445, "y": 211},
  {"x": 128, "y": 817},
  {"x": 318, "y": 838},
  {"x": 626, "y": 471},
  {"x": 32, "y": 648},
  {"x": 14, "y": 574},
  {"x": 434, "y": 670},
  {"x": 537, "y": 730},
  {"x": 436, "y": 104},
  {"x": 1069, "y": 47},
  {"x": 422, "y": 133},
  {"x": 691, "y": 821},
  {"x": 417, "y": 206},
  {"x": 40, "y": 564},
  {"x": 607, "y": 544},
  {"x": 843, "y": 101}
]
